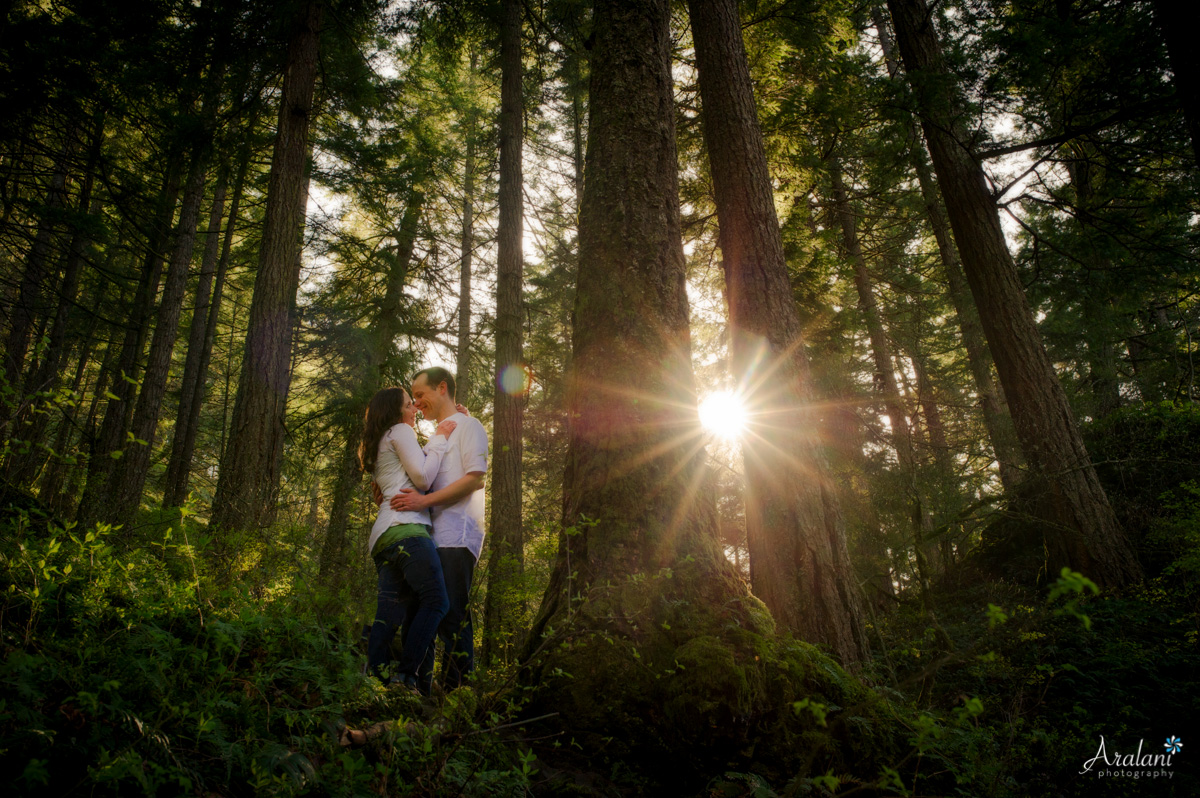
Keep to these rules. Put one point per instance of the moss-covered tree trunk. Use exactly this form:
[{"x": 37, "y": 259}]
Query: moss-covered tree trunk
[
  {"x": 799, "y": 563},
  {"x": 1077, "y": 522},
  {"x": 648, "y": 642}
]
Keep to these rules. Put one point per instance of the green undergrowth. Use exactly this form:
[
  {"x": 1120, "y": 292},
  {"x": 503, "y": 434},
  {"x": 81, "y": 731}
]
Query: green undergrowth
[
  {"x": 125, "y": 672},
  {"x": 149, "y": 663},
  {"x": 1045, "y": 673}
]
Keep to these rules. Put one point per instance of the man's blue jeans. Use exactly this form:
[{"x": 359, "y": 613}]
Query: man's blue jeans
[
  {"x": 412, "y": 592},
  {"x": 456, "y": 631}
]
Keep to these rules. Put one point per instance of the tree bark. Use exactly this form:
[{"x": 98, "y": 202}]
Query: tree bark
[
  {"x": 175, "y": 490},
  {"x": 799, "y": 561},
  {"x": 333, "y": 560},
  {"x": 210, "y": 334},
  {"x": 111, "y": 437},
  {"x": 996, "y": 418},
  {"x": 45, "y": 377},
  {"x": 467, "y": 246},
  {"x": 631, "y": 375},
  {"x": 128, "y": 481},
  {"x": 505, "y": 539},
  {"x": 885, "y": 375},
  {"x": 30, "y": 304},
  {"x": 1079, "y": 526},
  {"x": 248, "y": 485}
]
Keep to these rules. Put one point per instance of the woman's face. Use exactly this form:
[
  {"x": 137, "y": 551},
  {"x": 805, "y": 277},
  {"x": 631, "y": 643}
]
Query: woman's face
[{"x": 408, "y": 413}]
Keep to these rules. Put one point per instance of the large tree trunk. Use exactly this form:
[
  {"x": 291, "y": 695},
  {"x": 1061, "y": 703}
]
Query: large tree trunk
[
  {"x": 505, "y": 539},
  {"x": 1079, "y": 526},
  {"x": 1009, "y": 459},
  {"x": 648, "y": 642},
  {"x": 630, "y": 389},
  {"x": 467, "y": 247},
  {"x": 799, "y": 561},
  {"x": 248, "y": 485}
]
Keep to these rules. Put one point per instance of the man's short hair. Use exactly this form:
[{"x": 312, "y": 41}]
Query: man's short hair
[{"x": 435, "y": 376}]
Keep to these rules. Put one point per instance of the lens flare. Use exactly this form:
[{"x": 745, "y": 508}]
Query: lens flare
[{"x": 514, "y": 380}]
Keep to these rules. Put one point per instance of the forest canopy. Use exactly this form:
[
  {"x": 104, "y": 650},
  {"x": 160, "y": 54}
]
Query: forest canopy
[{"x": 835, "y": 360}]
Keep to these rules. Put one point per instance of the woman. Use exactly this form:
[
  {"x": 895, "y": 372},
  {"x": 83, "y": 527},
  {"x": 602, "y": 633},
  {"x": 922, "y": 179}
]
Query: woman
[{"x": 400, "y": 544}]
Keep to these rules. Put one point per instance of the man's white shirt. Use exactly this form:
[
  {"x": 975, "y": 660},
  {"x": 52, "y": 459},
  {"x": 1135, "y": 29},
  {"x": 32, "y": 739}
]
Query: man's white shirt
[{"x": 461, "y": 523}]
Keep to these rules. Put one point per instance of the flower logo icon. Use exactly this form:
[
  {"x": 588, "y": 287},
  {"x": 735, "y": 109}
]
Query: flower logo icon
[{"x": 1173, "y": 745}]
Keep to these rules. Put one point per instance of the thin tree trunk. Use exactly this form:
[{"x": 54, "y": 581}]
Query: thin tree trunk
[
  {"x": 30, "y": 305},
  {"x": 333, "y": 559},
  {"x": 175, "y": 490},
  {"x": 467, "y": 247},
  {"x": 54, "y": 477},
  {"x": 111, "y": 438},
  {"x": 885, "y": 375},
  {"x": 248, "y": 485},
  {"x": 506, "y": 544},
  {"x": 996, "y": 418},
  {"x": 128, "y": 481},
  {"x": 45, "y": 377},
  {"x": 1103, "y": 377},
  {"x": 799, "y": 561},
  {"x": 1080, "y": 528}
]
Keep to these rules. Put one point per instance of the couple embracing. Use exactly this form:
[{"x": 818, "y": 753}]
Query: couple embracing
[{"x": 429, "y": 532}]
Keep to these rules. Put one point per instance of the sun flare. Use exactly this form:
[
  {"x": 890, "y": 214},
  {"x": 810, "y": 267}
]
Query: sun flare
[{"x": 721, "y": 414}]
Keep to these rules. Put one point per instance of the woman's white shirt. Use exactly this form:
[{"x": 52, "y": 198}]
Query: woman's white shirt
[{"x": 401, "y": 463}]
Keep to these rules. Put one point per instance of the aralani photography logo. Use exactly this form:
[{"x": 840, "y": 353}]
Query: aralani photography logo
[{"x": 1106, "y": 764}]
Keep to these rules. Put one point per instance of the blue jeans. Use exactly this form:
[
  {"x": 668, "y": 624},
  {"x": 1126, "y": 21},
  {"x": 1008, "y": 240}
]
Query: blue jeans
[
  {"x": 455, "y": 630},
  {"x": 412, "y": 592}
]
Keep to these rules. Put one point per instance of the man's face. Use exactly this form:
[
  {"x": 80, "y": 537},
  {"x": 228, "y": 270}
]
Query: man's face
[{"x": 423, "y": 395}]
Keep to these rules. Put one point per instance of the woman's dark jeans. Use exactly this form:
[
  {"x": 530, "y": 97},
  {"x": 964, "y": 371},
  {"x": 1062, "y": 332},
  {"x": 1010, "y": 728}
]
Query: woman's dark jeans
[{"x": 411, "y": 588}]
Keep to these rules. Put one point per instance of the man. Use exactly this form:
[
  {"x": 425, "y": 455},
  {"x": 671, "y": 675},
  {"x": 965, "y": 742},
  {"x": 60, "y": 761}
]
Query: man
[{"x": 455, "y": 502}]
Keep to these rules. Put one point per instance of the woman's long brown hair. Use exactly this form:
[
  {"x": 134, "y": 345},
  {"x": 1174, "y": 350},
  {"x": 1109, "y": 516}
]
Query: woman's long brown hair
[{"x": 383, "y": 411}]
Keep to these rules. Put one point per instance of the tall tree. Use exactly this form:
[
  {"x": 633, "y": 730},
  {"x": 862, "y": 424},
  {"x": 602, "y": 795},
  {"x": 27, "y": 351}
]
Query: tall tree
[
  {"x": 885, "y": 371},
  {"x": 127, "y": 482},
  {"x": 30, "y": 301},
  {"x": 995, "y": 412},
  {"x": 1080, "y": 528},
  {"x": 105, "y": 447},
  {"x": 799, "y": 562},
  {"x": 505, "y": 539},
  {"x": 248, "y": 484},
  {"x": 462, "y": 378},
  {"x": 190, "y": 393}
]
